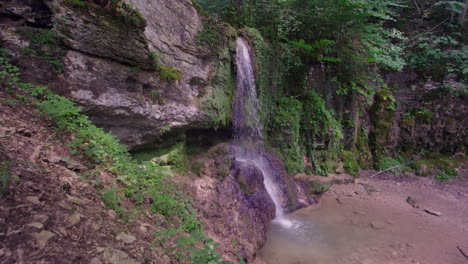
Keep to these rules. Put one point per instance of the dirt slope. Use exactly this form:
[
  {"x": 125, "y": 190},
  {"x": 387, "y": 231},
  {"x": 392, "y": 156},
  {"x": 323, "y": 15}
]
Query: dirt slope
[{"x": 53, "y": 212}]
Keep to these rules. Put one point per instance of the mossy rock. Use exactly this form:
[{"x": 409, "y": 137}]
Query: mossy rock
[
  {"x": 382, "y": 114},
  {"x": 320, "y": 187},
  {"x": 196, "y": 166},
  {"x": 434, "y": 163}
]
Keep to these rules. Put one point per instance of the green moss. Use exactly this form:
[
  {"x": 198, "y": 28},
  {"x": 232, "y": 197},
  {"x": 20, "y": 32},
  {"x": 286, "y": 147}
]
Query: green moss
[
  {"x": 363, "y": 150},
  {"x": 382, "y": 116},
  {"x": 174, "y": 156},
  {"x": 196, "y": 167},
  {"x": 244, "y": 188},
  {"x": 5, "y": 177},
  {"x": 216, "y": 100},
  {"x": 78, "y": 3},
  {"x": 127, "y": 13},
  {"x": 223, "y": 166},
  {"x": 283, "y": 133},
  {"x": 437, "y": 163},
  {"x": 408, "y": 120}
]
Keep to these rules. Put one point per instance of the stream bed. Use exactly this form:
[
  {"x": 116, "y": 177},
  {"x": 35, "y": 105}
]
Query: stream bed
[{"x": 349, "y": 226}]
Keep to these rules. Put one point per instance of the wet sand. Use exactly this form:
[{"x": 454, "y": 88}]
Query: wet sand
[{"x": 371, "y": 222}]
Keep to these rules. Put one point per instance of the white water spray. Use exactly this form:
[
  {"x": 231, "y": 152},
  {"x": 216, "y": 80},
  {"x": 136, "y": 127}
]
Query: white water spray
[{"x": 248, "y": 129}]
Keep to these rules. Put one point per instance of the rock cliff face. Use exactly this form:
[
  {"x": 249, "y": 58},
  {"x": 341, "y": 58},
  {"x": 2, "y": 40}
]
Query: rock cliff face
[
  {"x": 115, "y": 69},
  {"x": 429, "y": 115},
  {"x": 423, "y": 115},
  {"x": 232, "y": 199}
]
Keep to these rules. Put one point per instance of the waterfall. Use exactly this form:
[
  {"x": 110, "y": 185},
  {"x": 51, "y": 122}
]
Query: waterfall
[{"x": 248, "y": 135}]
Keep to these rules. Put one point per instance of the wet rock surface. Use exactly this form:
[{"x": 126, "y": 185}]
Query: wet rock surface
[
  {"x": 231, "y": 211},
  {"x": 235, "y": 205}
]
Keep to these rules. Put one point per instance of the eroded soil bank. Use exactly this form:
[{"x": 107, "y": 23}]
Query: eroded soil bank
[{"x": 374, "y": 221}]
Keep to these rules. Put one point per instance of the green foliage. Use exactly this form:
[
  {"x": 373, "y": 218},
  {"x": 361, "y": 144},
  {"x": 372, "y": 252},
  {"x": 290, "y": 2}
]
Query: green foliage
[
  {"x": 437, "y": 55},
  {"x": 433, "y": 163},
  {"x": 78, "y": 3},
  {"x": 321, "y": 133},
  {"x": 9, "y": 74},
  {"x": 136, "y": 181},
  {"x": 210, "y": 35},
  {"x": 127, "y": 13},
  {"x": 43, "y": 45},
  {"x": 318, "y": 49},
  {"x": 192, "y": 248},
  {"x": 112, "y": 200},
  {"x": 382, "y": 115},
  {"x": 408, "y": 120},
  {"x": 350, "y": 164},
  {"x": 134, "y": 69},
  {"x": 154, "y": 95},
  {"x": 196, "y": 167},
  {"x": 320, "y": 187},
  {"x": 154, "y": 59},
  {"x": 437, "y": 46},
  {"x": 170, "y": 74},
  {"x": 424, "y": 114},
  {"x": 387, "y": 162},
  {"x": 284, "y": 133},
  {"x": 5, "y": 177},
  {"x": 447, "y": 175}
]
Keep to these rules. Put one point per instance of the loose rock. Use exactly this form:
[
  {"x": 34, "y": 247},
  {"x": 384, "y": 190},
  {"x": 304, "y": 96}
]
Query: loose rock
[
  {"x": 432, "y": 212},
  {"x": 40, "y": 218},
  {"x": 95, "y": 261},
  {"x": 75, "y": 200},
  {"x": 74, "y": 219},
  {"x": 116, "y": 256},
  {"x": 412, "y": 202},
  {"x": 33, "y": 199},
  {"x": 36, "y": 225},
  {"x": 42, "y": 238},
  {"x": 126, "y": 238}
]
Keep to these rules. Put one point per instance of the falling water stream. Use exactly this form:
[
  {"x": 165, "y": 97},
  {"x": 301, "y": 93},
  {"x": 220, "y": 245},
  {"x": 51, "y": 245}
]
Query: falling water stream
[
  {"x": 248, "y": 128},
  {"x": 331, "y": 233}
]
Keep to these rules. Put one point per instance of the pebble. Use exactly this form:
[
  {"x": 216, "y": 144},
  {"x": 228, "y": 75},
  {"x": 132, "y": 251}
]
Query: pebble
[
  {"x": 100, "y": 249},
  {"x": 116, "y": 256},
  {"x": 36, "y": 225},
  {"x": 74, "y": 219},
  {"x": 62, "y": 231},
  {"x": 377, "y": 224}
]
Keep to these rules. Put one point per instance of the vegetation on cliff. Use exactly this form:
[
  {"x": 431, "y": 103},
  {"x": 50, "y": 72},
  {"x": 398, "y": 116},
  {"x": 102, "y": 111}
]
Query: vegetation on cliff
[
  {"x": 347, "y": 47},
  {"x": 147, "y": 185}
]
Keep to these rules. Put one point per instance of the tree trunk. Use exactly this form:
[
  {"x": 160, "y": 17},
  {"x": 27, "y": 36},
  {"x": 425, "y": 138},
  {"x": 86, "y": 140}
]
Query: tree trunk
[{"x": 462, "y": 15}]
